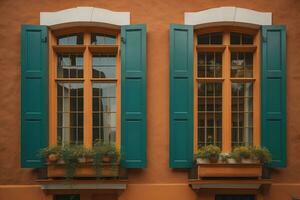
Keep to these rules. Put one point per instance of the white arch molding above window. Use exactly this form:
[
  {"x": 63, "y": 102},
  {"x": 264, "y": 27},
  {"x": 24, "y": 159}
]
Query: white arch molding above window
[
  {"x": 228, "y": 16},
  {"x": 84, "y": 16}
]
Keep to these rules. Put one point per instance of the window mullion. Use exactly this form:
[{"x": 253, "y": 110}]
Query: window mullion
[
  {"x": 87, "y": 109},
  {"x": 256, "y": 92},
  {"x": 52, "y": 92},
  {"x": 226, "y": 133}
]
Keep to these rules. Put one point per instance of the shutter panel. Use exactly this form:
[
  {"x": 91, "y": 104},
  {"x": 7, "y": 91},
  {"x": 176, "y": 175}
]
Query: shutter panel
[
  {"x": 273, "y": 93},
  {"x": 34, "y": 94},
  {"x": 181, "y": 96},
  {"x": 133, "y": 131}
]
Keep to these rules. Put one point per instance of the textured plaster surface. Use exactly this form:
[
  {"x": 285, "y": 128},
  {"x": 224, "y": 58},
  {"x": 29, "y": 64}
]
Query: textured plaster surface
[{"x": 157, "y": 15}]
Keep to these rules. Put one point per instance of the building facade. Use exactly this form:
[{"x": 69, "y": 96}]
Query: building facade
[{"x": 158, "y": 80}]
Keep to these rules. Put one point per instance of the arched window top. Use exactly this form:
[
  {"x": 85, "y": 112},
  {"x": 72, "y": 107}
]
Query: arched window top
[
  {"x": 228, "y": 16},
  {"x": 84, "y": 16}
]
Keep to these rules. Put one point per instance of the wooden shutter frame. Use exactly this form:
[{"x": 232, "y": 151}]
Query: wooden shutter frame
[
  {"x": 36, "y": 116},
  {"x": 269, "y": 116},
  {"x": 181, "y": 155},
  {"x": 133, "y": 148}
]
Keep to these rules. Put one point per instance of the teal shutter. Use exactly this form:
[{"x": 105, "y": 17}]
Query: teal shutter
[
  {"x": 181, "y": 96},
  {"x": 34, "y": 94},
  {"x": 273, "y": 93},
  {"x": 133, "y": 128}
]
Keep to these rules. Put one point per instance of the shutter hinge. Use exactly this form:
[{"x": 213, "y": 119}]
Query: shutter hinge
[
  {"x": 264, "y": 39},
  {"x": 123, "y": 40},
  {"x": 44, "y": 40}
]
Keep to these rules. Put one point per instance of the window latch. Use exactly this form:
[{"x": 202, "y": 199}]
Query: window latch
[
  {"x": 123, "y": 40},
  {"x": 44, "y": 40}
]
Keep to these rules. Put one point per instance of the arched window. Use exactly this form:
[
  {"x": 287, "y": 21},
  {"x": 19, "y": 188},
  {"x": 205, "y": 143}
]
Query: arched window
[
  {"x": 226, "y": 74},
  {"x": 85, "y": 86}
]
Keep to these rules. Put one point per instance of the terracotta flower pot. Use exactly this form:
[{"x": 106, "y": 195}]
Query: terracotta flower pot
[
  {"x": 88, "y": 160},
  {"x": 202, "y": 161},
  {"x": 82, "y": 160},
  {"x": 247, "y": 161},
  {"x": 61, "y": 161},
  {"x": 52, "y": 158},
  {"x": 106, "y": 159},
  {"x": 231, "y": 161},
  {"x": 213, "y": 159}
]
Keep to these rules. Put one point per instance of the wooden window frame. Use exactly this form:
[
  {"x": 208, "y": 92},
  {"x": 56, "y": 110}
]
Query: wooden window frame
[
  {"x": 226, "y": 80},
  {"x": 87, "y": 49}
]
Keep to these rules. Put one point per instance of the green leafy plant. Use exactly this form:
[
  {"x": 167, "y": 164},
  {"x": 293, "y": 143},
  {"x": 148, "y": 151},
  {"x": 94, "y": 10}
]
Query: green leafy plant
[
  {"x": 82, "y": 153},
  {"x": 201, "y": 153},
  {"x": 224, "y": 157},
  {"x": 210, "y": 152},
  {"x": 51, "y": 153},
  {"x": 70, "y": 155},
  {"x": 104, "y": 153},
  {"x": 262, "y": 154},
  {"x": 108, "y": 152},
  {"x": 244, "y": 154},
  {"x": 241, "y": 152}
]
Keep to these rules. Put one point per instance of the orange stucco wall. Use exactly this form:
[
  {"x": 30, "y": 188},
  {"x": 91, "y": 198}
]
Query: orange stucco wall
[{"x": 157, "y": 181}]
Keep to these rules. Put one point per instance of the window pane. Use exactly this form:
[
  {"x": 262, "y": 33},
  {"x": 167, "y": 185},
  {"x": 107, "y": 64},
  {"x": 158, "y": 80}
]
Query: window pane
[
  {"x": 240, "y": 38},
  {"x": 242, "y": 113},
  {"x": 247, "y": 39},
  {"x": 104, "y": 112},
  {"x": 104, "y": 66},
  {"x": 210, "y": 38},
  {"x": 209, "y": 114},
  {"x": 69, "y": 113},
  {"x": 235, "y": 38},
  {"x": 103, "y": 39},
  {"x": 209, "y": 64},
  {"x": 242, "y": 64},
  {"x": 70, "y": 66},
  {"x": 218, "y": 65},
  {"x": 248, "y": 64},
  {"x": 216, "y": 38},
  {"x": 203, "y": 39},
  {"x": 73, "y": 39},
  {"x": 201, "y": 64}
]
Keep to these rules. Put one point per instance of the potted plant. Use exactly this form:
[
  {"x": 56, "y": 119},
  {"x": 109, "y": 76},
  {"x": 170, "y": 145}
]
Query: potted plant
[
  {"x": 84, "y": 155},
  {"x": 227, "y": 158},
  {"x": 52, "y": 154},
  {"x": 105, "y": 156},
  {"x": 243, "y": 154},
  {"x": 107, "y": 152},
  {"x": 264, "y": 156},
  {"x": 201, "y": 156},
  {"x": 69, "y": 160},
  {"x": 70, "y": 157},
  {"x": 210, "y": 152}
]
